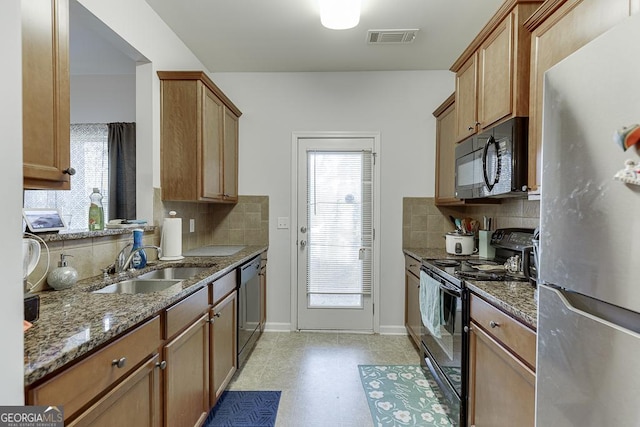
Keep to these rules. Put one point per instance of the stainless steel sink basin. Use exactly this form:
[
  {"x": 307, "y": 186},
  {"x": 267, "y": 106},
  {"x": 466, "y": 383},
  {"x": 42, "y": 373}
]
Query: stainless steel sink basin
[
  {"x": 137, "y": 286},
  {"x": 173, "y": 273}
]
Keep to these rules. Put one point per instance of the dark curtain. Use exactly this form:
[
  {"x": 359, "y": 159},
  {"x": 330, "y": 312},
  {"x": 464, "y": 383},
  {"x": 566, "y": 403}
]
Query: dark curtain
[{"x": 122, "y": 170}]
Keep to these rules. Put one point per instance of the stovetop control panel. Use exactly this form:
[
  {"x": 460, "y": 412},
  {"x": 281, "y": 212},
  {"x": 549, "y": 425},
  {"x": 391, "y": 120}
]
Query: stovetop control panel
[{"x": 515, "y": 239}]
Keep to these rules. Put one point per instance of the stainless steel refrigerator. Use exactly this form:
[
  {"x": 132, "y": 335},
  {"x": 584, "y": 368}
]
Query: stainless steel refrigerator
[{"x": 588, "y": 365}]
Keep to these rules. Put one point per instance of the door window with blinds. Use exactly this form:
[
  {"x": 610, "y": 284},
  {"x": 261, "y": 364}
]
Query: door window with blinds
[{"x": 340, "y": 228}]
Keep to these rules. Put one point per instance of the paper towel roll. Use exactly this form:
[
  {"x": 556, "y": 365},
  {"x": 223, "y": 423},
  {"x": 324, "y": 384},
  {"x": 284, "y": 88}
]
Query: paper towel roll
[{"x": 171, "y": 239}]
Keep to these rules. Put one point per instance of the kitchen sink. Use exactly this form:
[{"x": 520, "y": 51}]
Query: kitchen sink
[
  {"x": 173, "y": 273},
  {"x": 137, "y": 286}
]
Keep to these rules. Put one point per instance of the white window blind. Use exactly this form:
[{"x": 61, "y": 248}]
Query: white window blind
[
  {"x": 89, "y": 157},
  {"x": 340, "y": 222}
]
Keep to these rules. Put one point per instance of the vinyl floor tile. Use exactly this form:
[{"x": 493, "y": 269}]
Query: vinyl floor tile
[{"x": 318, "y": 374}]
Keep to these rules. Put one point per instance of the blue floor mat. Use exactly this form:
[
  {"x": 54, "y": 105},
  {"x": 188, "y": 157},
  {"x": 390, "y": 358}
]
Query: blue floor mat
[{"x": 245, "y": 409}]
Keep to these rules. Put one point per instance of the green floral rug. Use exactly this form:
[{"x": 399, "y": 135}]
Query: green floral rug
[{"x": 401, "y": 395}]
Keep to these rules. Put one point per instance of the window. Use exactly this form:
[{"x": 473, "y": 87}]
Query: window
[{"x": 90, "y": 158}]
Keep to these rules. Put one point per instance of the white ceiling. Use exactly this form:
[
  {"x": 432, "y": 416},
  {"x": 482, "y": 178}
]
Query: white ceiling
[{"x": 286, "y": 35}]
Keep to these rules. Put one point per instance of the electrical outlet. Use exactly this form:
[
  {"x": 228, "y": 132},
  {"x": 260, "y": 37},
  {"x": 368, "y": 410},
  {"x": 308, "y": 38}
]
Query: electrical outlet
[
  {"x": 283, "y": 222},
  {"x": 192, "y": 225}
]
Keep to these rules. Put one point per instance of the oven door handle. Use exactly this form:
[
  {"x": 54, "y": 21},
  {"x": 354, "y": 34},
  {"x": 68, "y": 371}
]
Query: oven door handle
[
  {"x": 450, "y": 289},
  {"x": 444, "y": 285}
]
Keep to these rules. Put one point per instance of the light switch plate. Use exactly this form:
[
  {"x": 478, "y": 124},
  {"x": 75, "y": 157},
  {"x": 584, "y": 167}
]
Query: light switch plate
[
  {"x": 283, "y": 222},
  {"x": 192, "y": 225}
]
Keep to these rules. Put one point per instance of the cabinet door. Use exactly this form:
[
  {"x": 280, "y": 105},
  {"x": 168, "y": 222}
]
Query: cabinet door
[
  {"x": 553, "y": 38},
  {"x": 186, "y": 376},
  {"x": 45, "y": 94},
  {"x": 446, "y": 156},
  {"x": 496, "y": 74},
  {"x": 501, "y": 388},
  {"x": 413, "y": 320},
  {"x": 133, "y": 402},
  {"x": 230, "y": 151},
  {"x": 223, "y": 345},
  {"x": 263, "y": 291},
  {"x": 212, "y": 146},
  {"x": 466, "y": 99}
]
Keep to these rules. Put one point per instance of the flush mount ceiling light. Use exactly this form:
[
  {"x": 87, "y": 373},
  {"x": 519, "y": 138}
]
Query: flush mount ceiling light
[{"x": 339, "y": 14}]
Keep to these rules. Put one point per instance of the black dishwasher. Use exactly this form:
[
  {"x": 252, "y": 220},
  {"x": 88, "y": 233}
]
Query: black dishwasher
[{"x": 249, "y": 307}]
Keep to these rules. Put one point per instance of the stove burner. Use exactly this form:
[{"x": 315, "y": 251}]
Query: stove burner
[
  {"x": 481, "y": 262},
  {"x": 479, "y": 275},
  {"x": 446, "y": 262}
]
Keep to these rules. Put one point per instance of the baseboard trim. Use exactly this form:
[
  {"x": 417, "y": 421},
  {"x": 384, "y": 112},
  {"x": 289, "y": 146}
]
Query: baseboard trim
[
  {"x": 393, "y": 330},
  {"x": 277, "y": 327}
]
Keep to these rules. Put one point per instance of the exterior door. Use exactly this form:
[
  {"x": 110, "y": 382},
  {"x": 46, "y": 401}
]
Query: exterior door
[{"x": 335, "y": 233}]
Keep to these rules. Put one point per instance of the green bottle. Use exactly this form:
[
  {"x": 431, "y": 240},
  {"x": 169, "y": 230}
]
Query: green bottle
[{"x": 96, "y": 213}]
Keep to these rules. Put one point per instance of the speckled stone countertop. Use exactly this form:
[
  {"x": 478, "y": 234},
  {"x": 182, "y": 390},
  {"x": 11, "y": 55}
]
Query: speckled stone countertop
[
  {"x": 74, "y": 321},
  {"x": 516, "y": 298}
]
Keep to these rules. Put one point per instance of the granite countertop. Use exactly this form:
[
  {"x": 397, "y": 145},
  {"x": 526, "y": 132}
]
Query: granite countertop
[
  {"x": 519, "y": 299},
  {"x": 74, "y": 321}
]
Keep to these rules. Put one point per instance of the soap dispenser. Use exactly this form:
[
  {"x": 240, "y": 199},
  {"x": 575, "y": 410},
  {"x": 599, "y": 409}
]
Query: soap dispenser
[{"x": 64, "y": 276}]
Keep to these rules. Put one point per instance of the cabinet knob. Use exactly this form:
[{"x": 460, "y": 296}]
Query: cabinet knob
[
  {"x": 470, "y": 128},
  {"x": 162, "y": 364},
  {"x": 494, "y": 324},
  {"x": 69, "y": 171},
  {"x": 119, "y": 363},
  {"x": 466, "y": 328}
]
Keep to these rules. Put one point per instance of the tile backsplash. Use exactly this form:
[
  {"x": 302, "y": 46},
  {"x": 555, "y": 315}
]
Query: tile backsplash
[
  {"x": 424, "y": 224},
  {"x": 243, "y": 223}
]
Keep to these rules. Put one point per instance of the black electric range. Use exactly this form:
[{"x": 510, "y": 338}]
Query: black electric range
[{"x": 445, "y": 341}]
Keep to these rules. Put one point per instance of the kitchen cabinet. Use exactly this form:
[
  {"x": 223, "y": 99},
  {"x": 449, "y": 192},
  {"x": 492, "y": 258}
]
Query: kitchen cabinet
[
  {"x": 79, "y": 385},
  {"x": 45, "y": 94},
  {"x": 445, "y": 153},
  {"x": 133, "y": 402},
  {"x": 501, "y": 368},
  {"x": 263, "y": 290},
  {"x": 412, "y": 317},
  {"x": 492, "y": 74},
  {"x": 224, "y": 315},
  {"x": 199, "y": 139},
  {"x": 559, "y": 28},
  {"x": 186, "y": 355}
]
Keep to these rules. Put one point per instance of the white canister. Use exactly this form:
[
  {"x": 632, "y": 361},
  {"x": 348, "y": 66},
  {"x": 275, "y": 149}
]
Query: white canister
[{"x": 460, "y": 244}]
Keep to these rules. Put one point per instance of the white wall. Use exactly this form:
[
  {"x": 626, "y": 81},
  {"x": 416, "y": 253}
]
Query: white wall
[
  {"x": 99, "y": 98},
  {"x": 11, "y": 304},
  {"x": 399, "y": 105}
]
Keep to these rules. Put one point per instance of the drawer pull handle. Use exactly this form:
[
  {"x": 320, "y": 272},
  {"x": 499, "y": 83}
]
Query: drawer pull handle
[
  {"x": 162, "y": 365},
  {"x": 119, "y": 362},
  {"x": 494, "y": 324}
]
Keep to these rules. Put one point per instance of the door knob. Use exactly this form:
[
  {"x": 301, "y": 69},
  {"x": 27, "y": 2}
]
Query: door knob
[
  {"x": 303, "y": 229},
  {"x": 303, "y": 243}
]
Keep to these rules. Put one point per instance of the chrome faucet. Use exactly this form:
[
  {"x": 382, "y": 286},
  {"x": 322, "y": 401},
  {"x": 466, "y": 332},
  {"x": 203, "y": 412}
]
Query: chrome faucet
[{"x": 121, "y": 264}]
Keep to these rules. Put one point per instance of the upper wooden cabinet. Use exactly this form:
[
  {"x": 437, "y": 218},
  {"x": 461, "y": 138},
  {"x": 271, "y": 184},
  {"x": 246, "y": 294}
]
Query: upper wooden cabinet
[
  {"x": 492, "y": 74},
  {"x": 445, "y": 152},
  {"x": 559, "y": 28},
  {"x": 45, "y": 94},
  {"x": 199, "y": 140}
]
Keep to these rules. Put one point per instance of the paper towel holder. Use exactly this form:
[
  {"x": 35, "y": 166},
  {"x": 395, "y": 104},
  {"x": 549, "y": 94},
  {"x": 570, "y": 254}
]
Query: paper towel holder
[{"x": 171, "y": 238}]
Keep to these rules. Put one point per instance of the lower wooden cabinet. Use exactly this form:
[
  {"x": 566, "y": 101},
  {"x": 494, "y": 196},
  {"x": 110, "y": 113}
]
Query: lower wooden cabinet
[
  {"x": 186, "y": 376},
  {"x": 223, "y": 345},
  {"x": 501, "y": 383},
  {"x": 412, "y": 318},
  {"x": 133, "y": 402}
]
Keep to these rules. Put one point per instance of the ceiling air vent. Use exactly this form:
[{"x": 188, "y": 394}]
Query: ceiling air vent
[{"x": 391, "y": 36}]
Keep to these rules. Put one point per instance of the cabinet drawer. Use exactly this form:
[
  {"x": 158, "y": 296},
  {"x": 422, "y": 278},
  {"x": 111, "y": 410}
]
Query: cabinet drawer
[
  {"x": 183, "y": 313},
  {"x": 81, "y": 383},
  {"x": 518, "y": 338},
  {"x": 412, "y": 264},
  {"x": 223, "y": 286}
]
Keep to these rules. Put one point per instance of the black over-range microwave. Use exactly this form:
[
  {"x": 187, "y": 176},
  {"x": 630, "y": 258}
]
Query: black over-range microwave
[{"x": 494, "y": 163}]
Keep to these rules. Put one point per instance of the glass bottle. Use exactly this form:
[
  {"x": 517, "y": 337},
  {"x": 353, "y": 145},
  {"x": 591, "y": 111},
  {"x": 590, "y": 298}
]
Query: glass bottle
[
  {"x": 139, "y": 259},
  {"x": 96, "y": 213}
]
